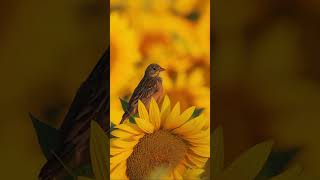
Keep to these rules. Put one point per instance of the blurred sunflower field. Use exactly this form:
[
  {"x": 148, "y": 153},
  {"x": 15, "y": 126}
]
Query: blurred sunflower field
[{"x": 175, "y": 35}]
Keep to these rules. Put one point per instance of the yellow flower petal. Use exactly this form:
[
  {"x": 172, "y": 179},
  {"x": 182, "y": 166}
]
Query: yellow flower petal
[
  {"x": 144, "y": 125},
  {"x": 165, "y": 108},
  {"x": 120, "y": 157},
  {"x": 121, "y": 134},
  {"x": 193, "y": 174},
  {"x": 120, "y": 143},
  {"x": 198, "y": 162},
  {"x": 203, "y": 151},
  {"x": 154, "y": 114},
  {"x": 115, "y": 150},
  {"x": 199, "y": 142},
  {"x": 177, "y": 175},
  {"x": 143, "y": 113},
  {"x": 180, "y": 167},
  {"x": 119, "y": 172},
  {"x": 129, "y": 128},
  {"x": 190, "y": 127},
  {"x": 198, "y": 135},
  {"x": 185, "y": 116},
  {"x": 169, "y": 122}
]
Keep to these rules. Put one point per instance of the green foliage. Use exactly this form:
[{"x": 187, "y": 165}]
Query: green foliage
[
  {"x": 124, "y": 105},
  {"x": 49, "y": 138},
  {"x": 197, "y": 112}
]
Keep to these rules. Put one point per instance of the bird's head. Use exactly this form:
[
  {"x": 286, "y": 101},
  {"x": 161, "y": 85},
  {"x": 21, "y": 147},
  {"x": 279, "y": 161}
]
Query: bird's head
[{"x": 153, "y": 70}]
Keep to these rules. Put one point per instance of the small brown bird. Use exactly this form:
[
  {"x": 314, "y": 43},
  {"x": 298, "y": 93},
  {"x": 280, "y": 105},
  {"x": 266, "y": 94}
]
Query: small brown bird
[{"x": 150, "y": 86}]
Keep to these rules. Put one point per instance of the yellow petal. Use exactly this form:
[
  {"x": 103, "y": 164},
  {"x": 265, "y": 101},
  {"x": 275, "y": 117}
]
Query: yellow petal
[
  {"x": 193, "y": 174},
  {"x": 115, "y": 150},
  {"x": 120, "y": 157},
  {"x": 143, "y": 113},
  {"x": 197, "y": 160},
  {"x": 165, "y": 108},
  {"x": 154, "y": 114},
  {"x": 197, "y": 136},
  {"x": 129, "y": 128},
  {"x": 180, "y": 167},
  {"x": 177, "y": 175},
  {"x": 203, "y": 151},
  {"x": 144, "y": 125},
  {"x": 174, "y": 114},
  {"x": 199, "y": 142},
  {"x": 119, "y": 172},
  {"x": 183, "y": 118},
  {"x": 120, "y": 143},
  {"x": 121, "y": 134},
  {"x": 190, "y": 127}
]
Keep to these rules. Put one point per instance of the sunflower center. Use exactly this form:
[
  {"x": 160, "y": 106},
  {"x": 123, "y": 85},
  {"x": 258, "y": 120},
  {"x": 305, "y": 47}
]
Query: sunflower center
[{"x": 154, "y": 150}]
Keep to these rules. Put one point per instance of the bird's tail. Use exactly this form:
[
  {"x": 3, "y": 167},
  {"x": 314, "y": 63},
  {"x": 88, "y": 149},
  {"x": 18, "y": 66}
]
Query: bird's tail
[{"x": 125, "y": 116}]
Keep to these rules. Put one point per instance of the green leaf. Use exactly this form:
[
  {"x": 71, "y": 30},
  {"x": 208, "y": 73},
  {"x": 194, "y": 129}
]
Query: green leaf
[
  {"x": 197, "y": 112},
  {"x": 218, "y": 151},
  {"x": 49, "y": 138},
  {"x": 249, "y": 164},
  {"x": 99, "y": 151},
  {"x": 290, "y": 174},
  {"x": 124, "y": 104}
]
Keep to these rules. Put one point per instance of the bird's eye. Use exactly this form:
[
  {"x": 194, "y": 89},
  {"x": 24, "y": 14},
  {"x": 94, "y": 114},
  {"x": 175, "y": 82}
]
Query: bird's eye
[{"x": 154, "y": 68}]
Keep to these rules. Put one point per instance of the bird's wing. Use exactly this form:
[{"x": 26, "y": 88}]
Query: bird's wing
[{"x": 145, "y": 89}]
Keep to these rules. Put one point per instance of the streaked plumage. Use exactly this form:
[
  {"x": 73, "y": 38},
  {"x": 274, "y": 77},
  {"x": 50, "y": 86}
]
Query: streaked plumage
[{"x": 150, "y": 86}]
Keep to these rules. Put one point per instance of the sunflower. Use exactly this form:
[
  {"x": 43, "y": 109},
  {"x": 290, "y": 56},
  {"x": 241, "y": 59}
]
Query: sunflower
[{"x": 160, "y": 137}]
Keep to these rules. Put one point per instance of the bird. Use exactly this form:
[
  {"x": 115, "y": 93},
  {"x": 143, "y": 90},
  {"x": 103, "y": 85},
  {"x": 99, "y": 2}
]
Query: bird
[
  {"x": 149, "y": 87},
  {"x": 91, "y": 102}
]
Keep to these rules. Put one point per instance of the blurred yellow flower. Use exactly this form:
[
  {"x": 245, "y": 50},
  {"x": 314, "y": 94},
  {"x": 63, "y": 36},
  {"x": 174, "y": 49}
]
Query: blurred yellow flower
[
  {"x": 123, "y": 57},
  {"x": 160, "y": 137},
  {"x": 188, "y": 89},
  {"x": 184, "y": 7},
  {"x": 161, "y": 32},
  {"x": 203, "y": 32}
]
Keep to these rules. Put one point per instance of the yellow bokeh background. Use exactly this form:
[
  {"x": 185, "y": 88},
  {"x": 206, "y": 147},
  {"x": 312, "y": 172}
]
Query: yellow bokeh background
[{"x": 173, "y": 34}]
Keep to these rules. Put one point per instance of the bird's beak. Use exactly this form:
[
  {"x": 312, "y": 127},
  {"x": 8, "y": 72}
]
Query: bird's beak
[{"x": 162, "y": 69}]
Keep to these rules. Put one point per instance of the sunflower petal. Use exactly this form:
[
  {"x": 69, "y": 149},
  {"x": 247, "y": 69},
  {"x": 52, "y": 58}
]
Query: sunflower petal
[
  {"x": 119, "y": 172},
  {"x": 193, "y": 174},
  {"x": 143, "y": 113},
  {"x": 115, "y": 150},
  {"x": 144, "y": 125},
  {"x": 120, "y": 157},
  {"x": 174, "y": 114},
  {"x": 177, "y": 175},
  {"x": 154, "y": 114},
  {"x": 120, "y": 143},
  {"x": 203, "y": 151},
  {"x": 129, "y": 128},
  {"x": 196, "y": 160},
  {"x": 183, "y": 118},
  {"x": 165, "y": 108},
  {"x": 121, "y": 134},
  {"x": 191, "y": 126}
]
